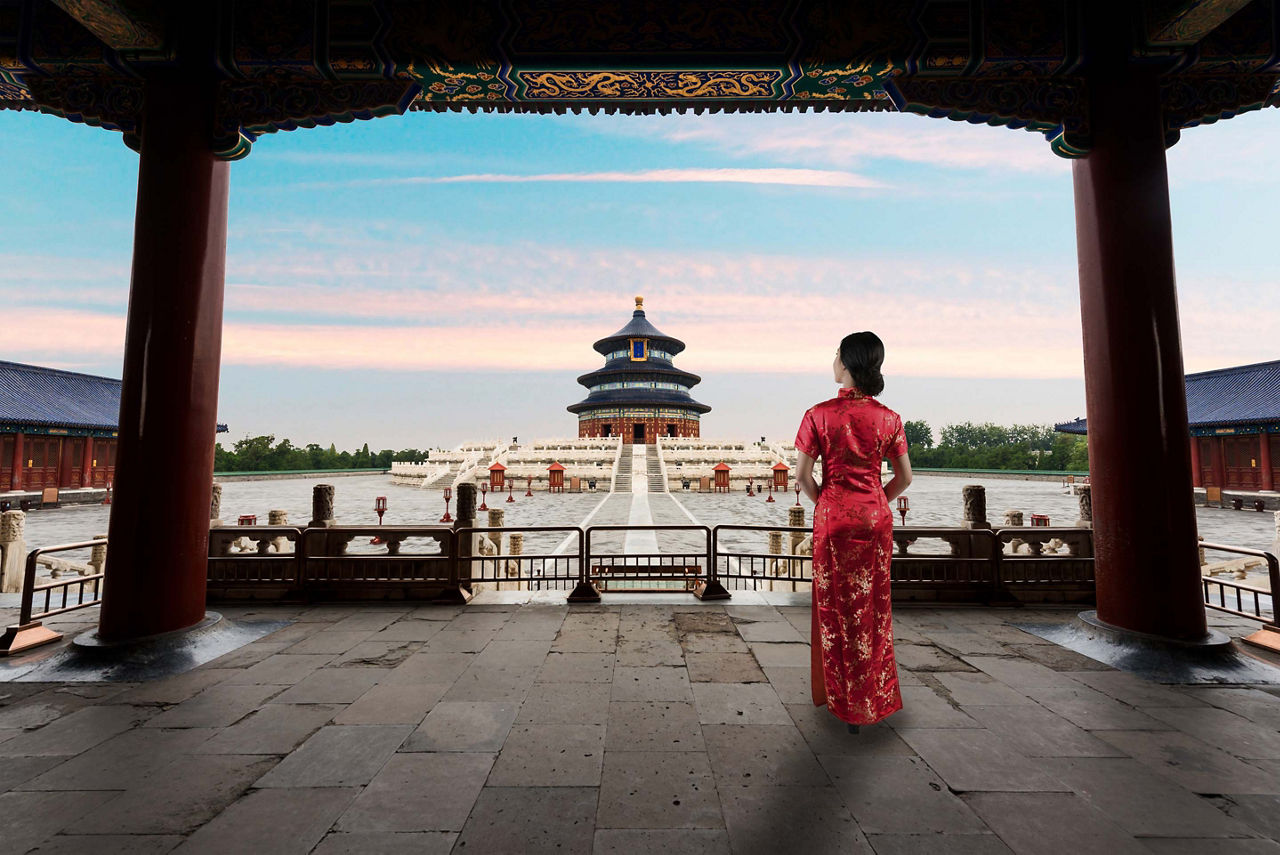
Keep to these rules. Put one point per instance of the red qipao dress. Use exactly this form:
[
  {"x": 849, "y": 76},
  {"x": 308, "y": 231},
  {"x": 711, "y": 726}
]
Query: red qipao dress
[{"x": 853, "y": 669}]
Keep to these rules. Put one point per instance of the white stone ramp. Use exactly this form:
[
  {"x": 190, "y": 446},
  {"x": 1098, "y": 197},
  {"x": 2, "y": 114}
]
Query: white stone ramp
[{"x": 640, "y": 542}]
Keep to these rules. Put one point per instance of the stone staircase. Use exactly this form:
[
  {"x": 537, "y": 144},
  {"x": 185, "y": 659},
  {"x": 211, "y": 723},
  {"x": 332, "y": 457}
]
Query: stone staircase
[
  {"x": 622, "y": 474},
  {"x": 653, "y": 466}
]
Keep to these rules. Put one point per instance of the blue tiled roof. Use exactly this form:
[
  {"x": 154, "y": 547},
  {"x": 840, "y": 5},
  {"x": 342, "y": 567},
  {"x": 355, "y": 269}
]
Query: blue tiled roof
[
  {"x": 33, "y": 395},
  {"x": 639, "y": 327},
  {"x": 1246, "y": 394}
]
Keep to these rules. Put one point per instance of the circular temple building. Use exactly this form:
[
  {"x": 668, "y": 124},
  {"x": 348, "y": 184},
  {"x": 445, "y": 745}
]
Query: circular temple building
[{"x": 639, "y": 394}]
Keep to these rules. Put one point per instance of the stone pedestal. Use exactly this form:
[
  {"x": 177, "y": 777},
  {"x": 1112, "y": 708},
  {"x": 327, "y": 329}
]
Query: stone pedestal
[
  {"x": 497, "y": 519},
  {"x": 278, "y": 516},
  {"x": 13, "y": 551},
  {"x": 1014, "y": 519}
]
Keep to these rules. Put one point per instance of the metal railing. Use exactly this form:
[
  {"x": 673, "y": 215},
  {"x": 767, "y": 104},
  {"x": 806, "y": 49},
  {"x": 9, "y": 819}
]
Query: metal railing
[
  {"x": 537, "y": 571},
  {"x": 685, "y": 569},
  {"x": 755, "y": 570},
  {"x": 1250, "y": 602},
  {"x": 710, "y": 562},
  {"x": 972, "y": 567},
  {"x": 29, "y": 631}
]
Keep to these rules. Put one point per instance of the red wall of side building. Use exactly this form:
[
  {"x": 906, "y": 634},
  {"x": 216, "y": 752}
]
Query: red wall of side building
[
  {"x": 1239, "y": 462},
  {"x": 32, "y": 462}
]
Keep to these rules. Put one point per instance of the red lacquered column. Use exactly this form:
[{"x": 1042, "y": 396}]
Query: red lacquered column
[
  {"x": 1264, "y": 460},
  {"x": 168, "y": 407},
  {"x": 1195, "y": 462},
  {"x": 1218, "y": 462},
  {"x": 1143, "y": 514},
  {"x": 86, "y": 463},
  {"x": 18, "y": 462}
]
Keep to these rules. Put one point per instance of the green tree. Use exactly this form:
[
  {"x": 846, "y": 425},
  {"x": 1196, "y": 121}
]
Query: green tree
[{"x": 919, "y": 435}]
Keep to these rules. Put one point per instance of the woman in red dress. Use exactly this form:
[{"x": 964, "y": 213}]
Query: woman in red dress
[{"x": 853, "y": 669}]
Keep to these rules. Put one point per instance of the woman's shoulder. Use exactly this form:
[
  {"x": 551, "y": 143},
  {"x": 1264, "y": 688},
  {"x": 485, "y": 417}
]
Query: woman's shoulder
[
  {"x": 889, "y": 416},
  {"x": 825, "y": 406}
]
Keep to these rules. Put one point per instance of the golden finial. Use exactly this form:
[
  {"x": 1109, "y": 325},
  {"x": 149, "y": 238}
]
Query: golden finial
[{"x": 639, "y": 303}]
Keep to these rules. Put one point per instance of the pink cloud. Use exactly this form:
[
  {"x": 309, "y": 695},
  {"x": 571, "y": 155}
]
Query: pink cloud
[{"x": 775, "y": 176}]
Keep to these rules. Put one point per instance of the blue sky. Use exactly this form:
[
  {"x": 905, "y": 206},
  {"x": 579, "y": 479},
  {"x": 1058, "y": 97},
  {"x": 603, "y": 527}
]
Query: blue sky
[{"x": 418, "y": 280}]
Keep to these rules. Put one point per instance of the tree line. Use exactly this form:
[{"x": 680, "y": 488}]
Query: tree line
[
  {"x": 959, "y": 446},
  {"x": 264, "y": 454},
  {"x": 992, "y": 446}
]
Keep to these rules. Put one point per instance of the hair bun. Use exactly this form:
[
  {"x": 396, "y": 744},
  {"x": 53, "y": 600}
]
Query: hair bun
[
  {"x": 870, "y": 381},
  {"x": 862, "y": 354}
]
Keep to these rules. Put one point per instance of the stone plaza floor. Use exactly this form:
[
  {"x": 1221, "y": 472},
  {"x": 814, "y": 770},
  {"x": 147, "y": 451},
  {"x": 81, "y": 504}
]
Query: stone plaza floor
[{"x": 632, "y": 728}]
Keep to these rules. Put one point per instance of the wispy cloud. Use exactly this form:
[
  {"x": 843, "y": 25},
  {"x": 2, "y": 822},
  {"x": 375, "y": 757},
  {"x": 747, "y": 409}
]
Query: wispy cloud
[
  {"x": 851, "y": 139},
  {"x": 773, "y": 176}
]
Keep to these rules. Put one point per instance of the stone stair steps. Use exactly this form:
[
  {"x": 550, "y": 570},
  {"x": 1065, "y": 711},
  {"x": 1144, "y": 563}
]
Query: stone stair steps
[
  {"x": 653, "y": 467},
  {"x": 622, "y": 475}
]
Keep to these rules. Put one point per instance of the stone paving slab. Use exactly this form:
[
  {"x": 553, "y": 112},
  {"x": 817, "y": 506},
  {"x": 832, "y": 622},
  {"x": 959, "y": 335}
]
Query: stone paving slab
[
  {"x": 419, "y": 792},
  {"x": 283, "y": 821},
  {"x": 179, "y": 797},
  {"x": 658, "y": 789},
  {"x": 662, "y": 841},
  {"x": 550, "y": 755},
  {"x": 338, "y": 756},
  {"x": 464, "y": 726},
  {"x": 644, "y": 726}
]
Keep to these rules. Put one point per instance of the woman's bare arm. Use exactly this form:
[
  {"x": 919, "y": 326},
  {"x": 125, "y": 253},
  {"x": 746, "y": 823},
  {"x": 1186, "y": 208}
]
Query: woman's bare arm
[
  {"x": 901, "y": 479},
  {"x": 804, "y": 477}
]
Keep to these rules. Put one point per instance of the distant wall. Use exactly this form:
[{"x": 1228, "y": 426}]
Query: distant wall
[
  {"x": 295, "y": 473},
  {"x": 1006, "y": 474}
]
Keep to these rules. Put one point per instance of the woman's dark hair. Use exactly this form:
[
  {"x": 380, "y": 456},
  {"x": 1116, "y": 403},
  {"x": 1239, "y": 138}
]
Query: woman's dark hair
[{"x": 862, "y": 354}]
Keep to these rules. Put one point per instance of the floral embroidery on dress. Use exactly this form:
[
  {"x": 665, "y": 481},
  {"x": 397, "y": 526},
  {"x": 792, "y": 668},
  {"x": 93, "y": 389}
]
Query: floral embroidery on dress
[{"x": 853, "y": 668}]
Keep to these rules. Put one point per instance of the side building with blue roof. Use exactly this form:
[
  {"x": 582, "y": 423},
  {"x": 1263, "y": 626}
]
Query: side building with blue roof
[
  {"x": 57, "y": 428},
  {"x": 1235, "y": 426}
]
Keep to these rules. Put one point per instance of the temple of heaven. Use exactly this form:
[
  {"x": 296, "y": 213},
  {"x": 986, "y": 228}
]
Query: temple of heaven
[{"x": 639, "y": 394}]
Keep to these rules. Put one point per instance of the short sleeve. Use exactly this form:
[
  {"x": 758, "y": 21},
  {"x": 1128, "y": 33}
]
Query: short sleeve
[
  {"x": 898, "y": 442},
  {"x": 807, "y": 436}
]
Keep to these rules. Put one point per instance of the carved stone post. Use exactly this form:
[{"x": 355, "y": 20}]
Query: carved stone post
[
  {"x": 497, "y": 519},
  {"x": 1275, "y": 544},
  {"x": 98, "y": 555},
  {"x": 975, "y": 517},
  {"x": 215, "y": 507},
  {"x": 775, "y": 548},
  {"x": 278, "y": 516},
  {"x": 515, "y": 548},
  {"x": 975, "y": 507},
  {"x": 466, "y": 518},
  {"x": 795, "y": 519},
  {"x": 322, "y": 506},
  {"x": 1085, "y": 495},
  {"x": 13, "y": 551}
]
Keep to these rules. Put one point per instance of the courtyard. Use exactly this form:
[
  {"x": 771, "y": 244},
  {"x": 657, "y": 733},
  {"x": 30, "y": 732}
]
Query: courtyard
[{"x": 645, "y": 724}]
